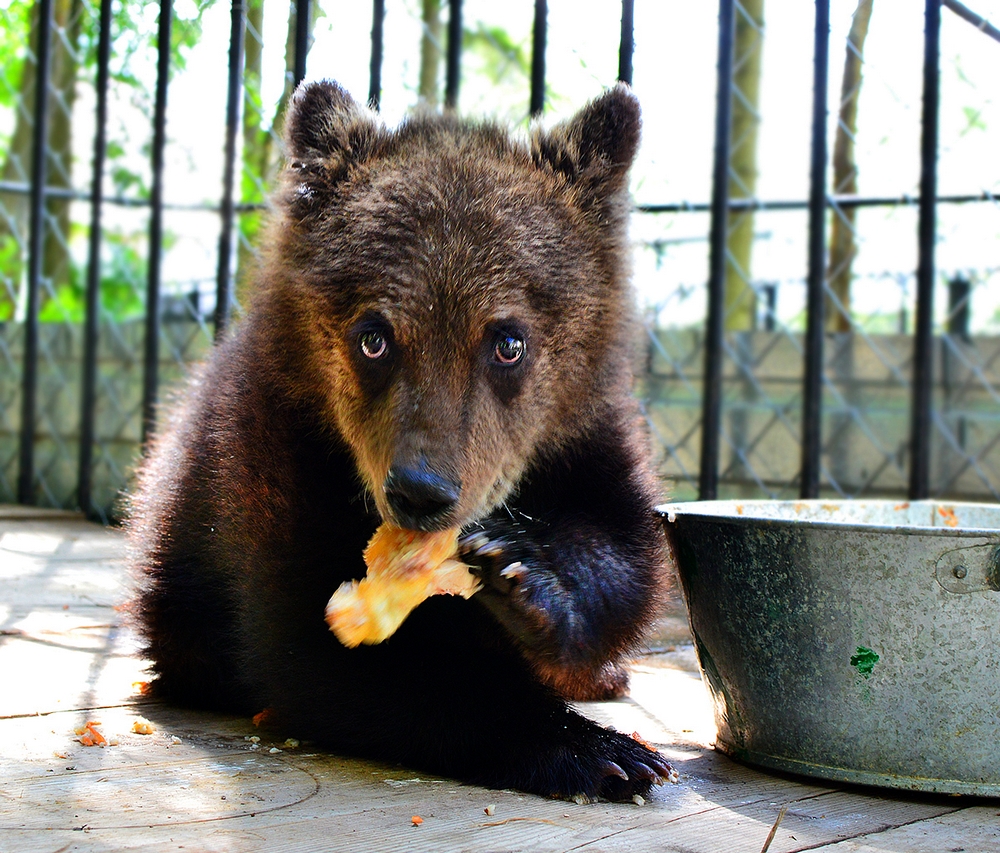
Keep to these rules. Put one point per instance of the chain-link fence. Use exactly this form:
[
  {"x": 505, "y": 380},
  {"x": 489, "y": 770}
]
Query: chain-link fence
[
  {"x": 869, "y": 185},
  {"x": 785, "y": 283}
]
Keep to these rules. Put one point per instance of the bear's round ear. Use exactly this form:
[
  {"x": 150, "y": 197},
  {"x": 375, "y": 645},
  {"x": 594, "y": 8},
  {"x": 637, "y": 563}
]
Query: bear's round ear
[
  {"x": 324, "y": 121},
  {"x": 596, "y": 147},
  {"x": 325, "y": 133}
]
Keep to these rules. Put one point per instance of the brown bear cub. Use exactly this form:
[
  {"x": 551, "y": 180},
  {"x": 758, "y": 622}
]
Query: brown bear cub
[{"x": 440, "y": 338}]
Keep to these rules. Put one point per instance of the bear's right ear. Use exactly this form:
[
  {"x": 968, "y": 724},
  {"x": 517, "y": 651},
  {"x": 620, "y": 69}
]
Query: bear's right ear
[{"x": 325, "y": 132}]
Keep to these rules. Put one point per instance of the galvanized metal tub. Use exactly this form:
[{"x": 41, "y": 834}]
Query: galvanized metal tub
[{"x": 855, "y": 641}]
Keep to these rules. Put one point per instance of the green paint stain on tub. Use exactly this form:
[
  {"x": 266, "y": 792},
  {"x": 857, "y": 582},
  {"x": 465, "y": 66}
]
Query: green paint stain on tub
[{"x": 864, "y": 660}]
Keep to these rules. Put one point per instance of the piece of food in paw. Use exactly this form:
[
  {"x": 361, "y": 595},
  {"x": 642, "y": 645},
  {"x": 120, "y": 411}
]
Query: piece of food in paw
[{"x": 404, "y": 568}]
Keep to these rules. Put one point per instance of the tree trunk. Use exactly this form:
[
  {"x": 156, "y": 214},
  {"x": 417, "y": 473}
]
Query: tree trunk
[
  {"x": 740, "y": 297},
  {"x": 843, "y": 248},
  {"x": 68, "y": 16},
  {"x": 261, "y": 155},
  {"x": 14, "y": 222},
  {"x": 430, "y": 53},
  {"x": 256, "y": 146},
  {"x": 279, "y": 112}
]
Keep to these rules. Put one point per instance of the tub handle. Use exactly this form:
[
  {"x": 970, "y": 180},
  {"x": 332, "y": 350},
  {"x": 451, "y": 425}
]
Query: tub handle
[{"x": 975, "y": 568}]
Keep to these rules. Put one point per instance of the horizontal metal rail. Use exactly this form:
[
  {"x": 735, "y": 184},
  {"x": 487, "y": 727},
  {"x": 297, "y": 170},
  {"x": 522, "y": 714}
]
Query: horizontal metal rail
[
  {"x": 733, "y": 204},
  {"x": 69, "y": 194},
  {"x": 755, "y": 204}
]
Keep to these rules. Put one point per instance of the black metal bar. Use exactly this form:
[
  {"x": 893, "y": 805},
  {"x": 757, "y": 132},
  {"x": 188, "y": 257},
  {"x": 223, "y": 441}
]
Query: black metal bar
[
  {"x": 812, "y": 383},
  {"x": 453, "y": 62},
  {"x": 626, "y": 46},
  {"x": 93, "y": 294},
  {"x": 36, "y": 250},
  {"x": 770, "y": 294},
  {"x": 302, "y": 30},
  {"x": 978, "y": 21},
  {"x": 711, "y": 416},
  {"x": 538, "y": 38},
  {"x": 959, "y": 313},
  {"x": 375, "y": 66},
  {"x": 150, "y": 373},
  {"x": 234, "y": 97},
  {"x": 923, "y": 359}
]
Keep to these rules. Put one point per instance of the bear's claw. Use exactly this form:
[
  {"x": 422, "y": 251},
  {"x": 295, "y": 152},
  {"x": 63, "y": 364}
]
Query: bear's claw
[
  {"x": 514, "y": 572},
  {"x": 647, "y": 773},
  {"x": 612, "y": 769}
]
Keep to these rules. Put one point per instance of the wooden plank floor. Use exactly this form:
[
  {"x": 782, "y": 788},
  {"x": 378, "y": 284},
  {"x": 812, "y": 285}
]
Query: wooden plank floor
[{"x": 199, "y": 783}]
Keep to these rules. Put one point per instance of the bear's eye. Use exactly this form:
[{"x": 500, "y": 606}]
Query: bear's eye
[
  {"x": 508, "y": 350},
  {"x": 373, "y": 345}
]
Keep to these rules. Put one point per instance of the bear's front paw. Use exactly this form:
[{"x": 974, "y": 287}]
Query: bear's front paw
[
  {"x": 616, "y": 767},
  {"x": 501, "y": 562},
  {"x": 524, "y": 594}
]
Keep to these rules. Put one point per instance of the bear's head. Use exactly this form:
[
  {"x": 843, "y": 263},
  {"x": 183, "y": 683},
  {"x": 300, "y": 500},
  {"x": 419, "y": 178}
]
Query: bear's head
[{"x": 463, "y": 295}]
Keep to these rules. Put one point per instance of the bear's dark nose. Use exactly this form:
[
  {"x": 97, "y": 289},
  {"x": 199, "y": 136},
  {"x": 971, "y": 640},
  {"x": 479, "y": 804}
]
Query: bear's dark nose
[{"x": 419, "y": 497}]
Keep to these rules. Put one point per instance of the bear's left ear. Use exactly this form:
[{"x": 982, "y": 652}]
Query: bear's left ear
[
  {"x": 595, "y": 149},
  {"x": 324, "y": 121},
  {"x": 325, "y": 132}
]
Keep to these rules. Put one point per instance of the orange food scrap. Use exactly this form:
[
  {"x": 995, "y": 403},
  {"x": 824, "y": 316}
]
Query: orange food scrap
[
  {"x": 264, "y": 717},
  {"x": 638, "y": 738},
  {"x": 404, "y": 568},
  {"x": 904, "y": 505},
  {"x": 142, "y": 726},
  {"x": 416, "y": 820},
  {"x": 89, "y": 735},
  {"x": 143, "y": 688},
  {"x": 948, "y": 514}
]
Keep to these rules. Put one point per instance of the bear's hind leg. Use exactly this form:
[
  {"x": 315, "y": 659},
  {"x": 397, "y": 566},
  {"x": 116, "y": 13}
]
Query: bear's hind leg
[{"x": 190, "y": 638}]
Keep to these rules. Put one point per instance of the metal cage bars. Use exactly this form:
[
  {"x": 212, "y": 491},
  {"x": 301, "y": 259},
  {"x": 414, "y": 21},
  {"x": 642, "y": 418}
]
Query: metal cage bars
[
  {"x": 812, "y": 385},
  {"x": 923, "y": 365},
  {"x": 720, "y": 206},
  {"x": 29, "y": 375},
  {"x": 711, "y": 410},
  {"x": 819, "y": 202},
  {"x": 39, "y": 192},
  {"x": 151, "y": 350},
  {"x": 93, "y": 294},
  {"x": 234, "y": 97}
]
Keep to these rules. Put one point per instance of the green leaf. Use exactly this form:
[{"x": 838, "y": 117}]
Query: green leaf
[{"x": 973, "y": 120}]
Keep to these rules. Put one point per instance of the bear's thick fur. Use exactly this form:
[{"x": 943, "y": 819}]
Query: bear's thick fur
[{"x": 440, "y": 337}]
